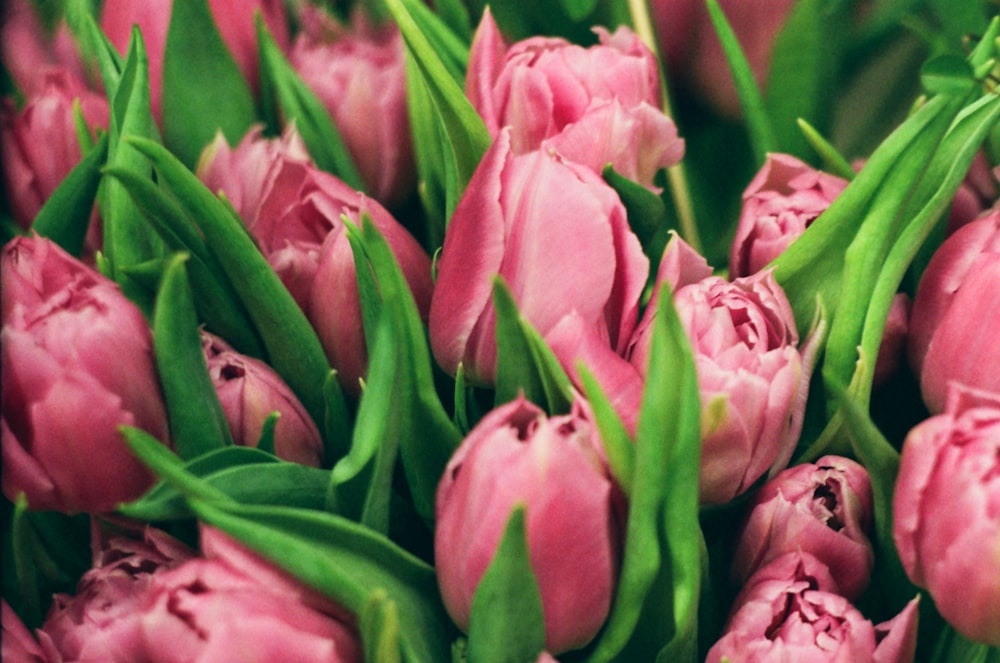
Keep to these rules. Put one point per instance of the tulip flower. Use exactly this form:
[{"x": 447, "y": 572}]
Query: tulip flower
[
  {"x": 559, "y": 238},
  {"x": 231, "y": 605},
  {"x": 978, "y": 191},
  {"x": 946, "y": 522},
  {"x": 516, "y": 455},
  {"x": 39, "y": 144},
  {"x": 956, "y": 298},
  {"x": 249, "y": 391},
  {"x": 750, "y": 372},
  {"x": 30, "y": 51},
  {"x": 781, "y": 201},
  {"x": 77, "y": 364},
  {"x": 17, "y": 644},
  {"x": 594, "y": 105},
  {"x": 790, "y": 611},
  {"x": 822, "y": 508},
  {"x": 892, "y": 350},
  {"x": 233, "y": 18},
  {"x": 359, "y": 73},
  {"x": 294, "y": 211}
]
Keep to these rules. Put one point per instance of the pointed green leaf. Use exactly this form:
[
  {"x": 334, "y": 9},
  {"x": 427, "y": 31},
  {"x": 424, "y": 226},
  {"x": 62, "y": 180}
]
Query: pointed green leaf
[
  {"x": 948, "y": 74},
  {"x": 95, "y": 45},
  {"x": 833, "y": 161},
  {"x": 379, "y": 626},
  {"x": 615, "y": 438},
  {"x": 336, "y": 421},
  {"x": 507, "y": 623},
  {"x": 579, "y": 9},
  {"x": 203, "y": 88},
  {"x": 266, "y": 441},
  {"x": 646, "y": 211}
]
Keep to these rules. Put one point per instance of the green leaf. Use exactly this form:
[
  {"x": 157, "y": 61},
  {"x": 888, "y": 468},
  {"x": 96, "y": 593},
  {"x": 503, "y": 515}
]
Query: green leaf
[
  {"x": 379, "y": 626},
  {"x": 203, "y": 88},
  {"x": 948, "y": 74},
  {"x": 95, "y": 45},
  {"x": 292, "y": 348},
  {"x": 646, "y": 211},
  {"x": 337, "y": 422},
  {"x": 754, "y": 111},
  {"x": 65, "y": 216},
  {"x": 525, "y": 364},
  {"x": 266, "y": 441},
  {"x": 197, "y": 423},
  {"x": 507, "y": 623},
  {"x": 615, "y": 438},
  {"x": 579, "y": 9},
  {"x": 833, "y": 161},
  {"x": 25, "y": 562},
  {"x": 282, "y": 88}
]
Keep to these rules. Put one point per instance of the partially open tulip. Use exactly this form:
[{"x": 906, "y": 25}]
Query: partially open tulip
[
  {"x": 77, "y": 364},
  {"x": 946, "y": 516},
  {"x": 551, "y": 465},
  {"x": 957, "y": 299},
  {"x": 39, "y": 143},
  {"x": 781, "y": 201},
  {"x": 559, "y": 238},
  {"x": 790, "y": 611},
  {"x": 594, "y": 106},
  {"x": 750, "y": 372},
  {"x": 823, "y": 508},
  {"x": 358, "y": 71},
  {"x": 249, "y": 391},
  {"x": 17, "y": 644}
]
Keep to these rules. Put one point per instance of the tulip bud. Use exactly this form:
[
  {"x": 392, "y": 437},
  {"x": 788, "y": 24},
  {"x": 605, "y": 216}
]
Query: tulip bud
[
  {"x": 17, "y": 644},
  {"x": 593, "y": 106},
  {"x": 77, "y": 364},
  {"x": 552, "y": 466},
  {"x": 956, "y": 298},
  {"x": 822, "y": 508},
  {"x": 249, "y": 391},
  {"x": 359, "y": 73},
  {"x": 781, "y": 201},
  {"x": 946, "y": 522},
  {"x": 790, "y": 611},
  {"x": 744, "y": 341},
  {"x": 559, "y": 238}
]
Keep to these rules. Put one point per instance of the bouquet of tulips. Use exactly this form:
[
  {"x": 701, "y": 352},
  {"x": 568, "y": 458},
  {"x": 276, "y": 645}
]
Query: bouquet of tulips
[{"x": 576, "y": 330}]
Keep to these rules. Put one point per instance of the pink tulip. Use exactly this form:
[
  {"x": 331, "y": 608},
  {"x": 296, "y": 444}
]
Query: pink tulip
[
  {"x": 979, "y": 190},
  {"x": 557, "y": 235},
  {"x": 233, "y": 18},
  {"x": 594, "y": 105},
  {"x": 822, "y": 508},
  {"x": 29, "y": 50},
  {"x": 947, "y": 524},
  {"x": 39, "y": 143},
  {"x": 891, "y": 351},
  {"x": 294, "y": 211},
  {"x": 750, "y": 372},
  {"x": 956, "y": 297},
  {"x": 515, "y": 455},
  {"x": 77, "y": 364},
  {"x": 230, "y": 606},
  {"x": 249, "y": 391},
  {"x": 781, "y": 201},
  {"x": 358, "y": 71},
  {"x": 790, "y": 611},
  {"x": 17, "y": 644},
  {"x": 97, "y": 623}
]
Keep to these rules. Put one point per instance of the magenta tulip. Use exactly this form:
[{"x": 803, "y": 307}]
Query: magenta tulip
[
  {"x": 781, "y": 201},
  {"x": 77, "y": 364},
  {"x": 552, "y": 465},
  {"x": 17, "y": 644},
  {"x": 946, "y": 520},
  {"x": 750, "y": 373},
  {"x": 790, "y": 611},
  {"x": 957, "y": 297},
  {"x": 30, "y": 50},
  {"x": 249, "y": 391},
  {"x": 593, "y": 106},
  {"x": 558, "y": 237},
  {"x": 822, "y": 508},
  {"x": 358, "y": 71}
]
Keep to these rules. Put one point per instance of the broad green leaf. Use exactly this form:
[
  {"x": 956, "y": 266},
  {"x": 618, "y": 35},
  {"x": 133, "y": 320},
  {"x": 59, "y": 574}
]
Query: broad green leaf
[
  {"x": 292, "y": 348},
  {"x": 525, "y": 364},
  {"x": 507, "y": 623},
  {"x": 197, "y": 423},
  {"x": 203, "y": 88},
  {"x": 455, "y": 15},
  {"x": 65, "y": 216},
  {"x": 647, "y": 214},
  {"x": 948, "y": 74},
  {"x": 754, "y": 110},
  {"x": 283, "y": 90}
]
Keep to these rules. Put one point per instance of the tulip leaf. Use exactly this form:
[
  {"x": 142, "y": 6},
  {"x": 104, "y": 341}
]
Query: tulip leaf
[
  {"x": 197, "y": 423},
  {"x": 646, "y": 211},
  {"x": 656, "y": 602},
  {"x": 953, "y": 646},
  {"x": 429, "y": 151},
  {"x": 341, "y": 559},
  {"x": 615, "y": 438},
  {"x": 379, "y": 626},
  {"x": 203, "y": 88},
  {"x": 467, "y": 137},
  {"x": 578, "y": 10},
  {"x": 292, "y": 348},
  {"x": 507, "y": 622},
  {"x": 762, "y": 136},
  {"x": 336, "y": 421},
  {"x": 525, "y": 363},
  {"x": 25, "y": 560},
  {"x": 266, "y": 441},
  {"x": 284, "y": 90},
  {"x": 65, "y": 216},
  {"x": 455, "y": 15},
  {"x": 95, "y": 45},
  {"x": 833, "y": 161}
]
